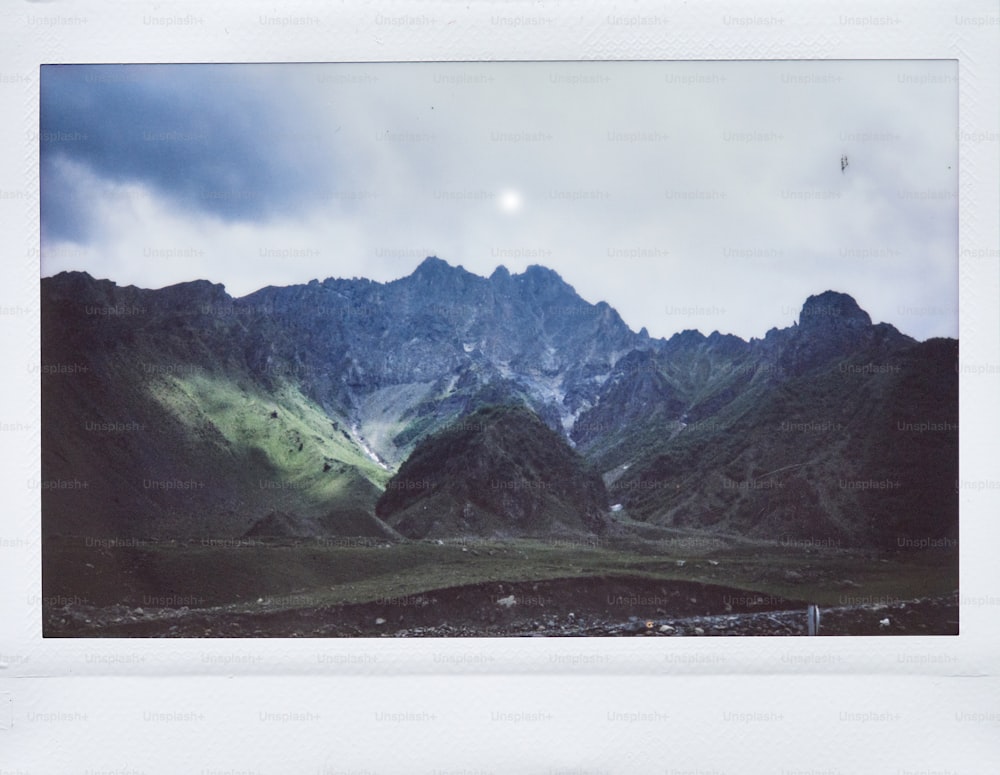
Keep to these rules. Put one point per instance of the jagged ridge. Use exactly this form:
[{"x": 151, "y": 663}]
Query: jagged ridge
[{"x": 324, "y": 389}]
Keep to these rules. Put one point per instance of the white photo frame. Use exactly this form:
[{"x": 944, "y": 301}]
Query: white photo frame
[{"x": 512, "y": 705}]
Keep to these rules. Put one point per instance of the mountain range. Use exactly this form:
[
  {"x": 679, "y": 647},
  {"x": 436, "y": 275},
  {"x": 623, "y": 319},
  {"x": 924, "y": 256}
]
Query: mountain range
[{"x": 347, "y": 407}]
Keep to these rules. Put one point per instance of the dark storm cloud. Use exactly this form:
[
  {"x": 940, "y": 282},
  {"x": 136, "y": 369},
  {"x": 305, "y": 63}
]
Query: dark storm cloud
[
  {"x": 224, "y": 141},
  {"x": 667, "y": 190}
]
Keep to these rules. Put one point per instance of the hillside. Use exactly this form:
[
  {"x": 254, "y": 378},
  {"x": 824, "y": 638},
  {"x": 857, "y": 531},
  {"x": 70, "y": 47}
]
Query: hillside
[
  {"x": 184, "y": 412},
  {"x": 499, "y": 472},
  {"x": 154, "y": 425},
  {"x": 836, "y": 431}
]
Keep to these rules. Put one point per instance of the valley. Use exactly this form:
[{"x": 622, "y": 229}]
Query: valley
[
  {"x": 285, "y": 460},
  {"x": 483, "y": 588}
]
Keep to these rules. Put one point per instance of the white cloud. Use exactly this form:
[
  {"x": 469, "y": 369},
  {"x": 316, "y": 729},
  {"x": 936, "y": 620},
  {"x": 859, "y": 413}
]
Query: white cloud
[{"x": 663, "y": 187}]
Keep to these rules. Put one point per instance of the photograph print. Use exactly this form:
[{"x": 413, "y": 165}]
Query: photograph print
[{"x": 499, "y": 349}]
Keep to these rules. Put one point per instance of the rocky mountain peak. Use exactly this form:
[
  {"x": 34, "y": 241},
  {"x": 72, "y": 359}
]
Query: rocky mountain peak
[
  {"x": 543, "y": 279},
  {"x": 537, "y": 271},
  {"x": 500, "y": 274},
  {"x": 831, "y": 325},
  {"x": 832, "y": 309},
  {"x": 432, "y": 265},
  {"x": 339, "y": 383}
]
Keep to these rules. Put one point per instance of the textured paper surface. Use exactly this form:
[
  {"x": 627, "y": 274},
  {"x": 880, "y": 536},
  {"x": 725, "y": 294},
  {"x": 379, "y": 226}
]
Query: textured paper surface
[{"x": 501, "y": 706}]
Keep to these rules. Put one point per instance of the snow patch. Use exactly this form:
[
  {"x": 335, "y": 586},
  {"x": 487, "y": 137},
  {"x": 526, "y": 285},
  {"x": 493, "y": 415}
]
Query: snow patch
[{"x": 365, "y": 448}]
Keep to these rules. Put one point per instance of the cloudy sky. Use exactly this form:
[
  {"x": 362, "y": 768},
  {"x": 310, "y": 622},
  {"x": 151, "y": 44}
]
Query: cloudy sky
[{"x": 686, "y": 195}]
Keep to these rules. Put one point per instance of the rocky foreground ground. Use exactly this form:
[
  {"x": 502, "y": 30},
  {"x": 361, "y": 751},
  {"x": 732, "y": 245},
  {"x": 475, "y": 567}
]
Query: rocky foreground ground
[{"x": 556, "y": 608}]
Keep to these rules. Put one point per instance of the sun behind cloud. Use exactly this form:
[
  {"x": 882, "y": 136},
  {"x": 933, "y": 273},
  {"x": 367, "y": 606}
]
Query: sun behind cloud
[{"x": 509, "y": 201}]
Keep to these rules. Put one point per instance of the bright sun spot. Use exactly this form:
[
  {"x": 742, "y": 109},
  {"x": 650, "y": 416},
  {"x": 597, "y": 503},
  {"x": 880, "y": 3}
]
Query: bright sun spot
[{"x": 509, "y": 201}]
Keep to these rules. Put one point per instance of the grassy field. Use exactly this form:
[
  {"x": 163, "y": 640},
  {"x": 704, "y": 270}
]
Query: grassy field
[{"x": 289, "y": 574}]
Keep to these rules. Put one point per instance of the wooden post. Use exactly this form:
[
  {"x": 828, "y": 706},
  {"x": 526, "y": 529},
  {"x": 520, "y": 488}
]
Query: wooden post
[{"x": 812, "y": 619}]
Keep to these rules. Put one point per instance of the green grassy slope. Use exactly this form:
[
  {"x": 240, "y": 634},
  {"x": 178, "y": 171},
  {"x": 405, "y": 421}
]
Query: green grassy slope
[{"x": 154, "y": 427}]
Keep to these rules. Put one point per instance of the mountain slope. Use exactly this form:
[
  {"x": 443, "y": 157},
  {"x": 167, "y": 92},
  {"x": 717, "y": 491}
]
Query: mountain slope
[
  {"x": 831, "y": 446},
  {"x": 499, "y": 472},
  {"x": 149, "y": 408},
  {"x": 185, "y": 412}
]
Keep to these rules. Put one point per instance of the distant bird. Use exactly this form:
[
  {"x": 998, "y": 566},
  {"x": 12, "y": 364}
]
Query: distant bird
[{"x": 843, "y": 163}]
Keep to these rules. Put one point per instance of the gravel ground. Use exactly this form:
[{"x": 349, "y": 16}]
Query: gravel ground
[{"x": 594, "y": 607}]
